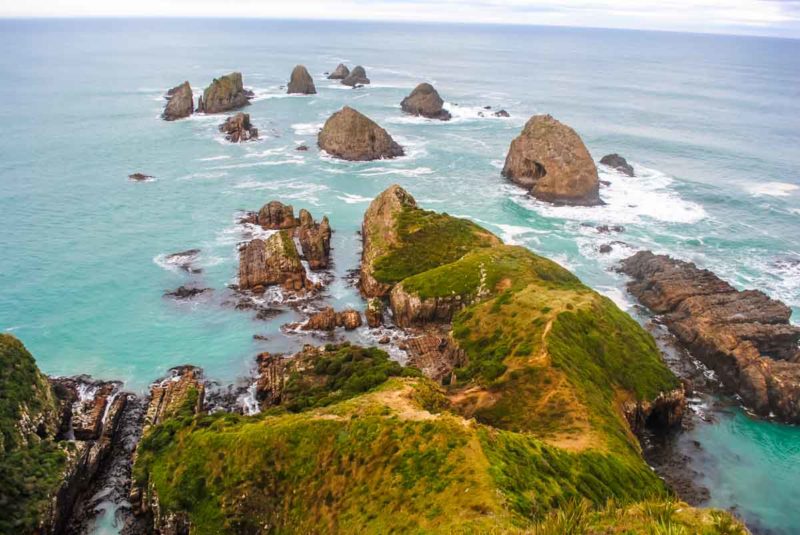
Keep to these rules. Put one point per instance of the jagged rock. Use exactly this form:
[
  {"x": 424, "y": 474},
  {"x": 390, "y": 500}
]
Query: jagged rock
[
  {"x": 139, "y": 177},
  {"x": 617, "y": 162},
  {"x": 224, "y": 93},
  {"x": 315, "y": 240},
  {"x": 301, "y": 82},
  {"x": 379, "y": 234},
  {"x": 275, "y": 216},
  {"x": 186, "y": 292},
  {"x": 327, "y": 320},
  {"x": 436, "y": 355},
  {"x": 549, "y": 159},
  {"x": 358, "y": 76},
  {"x": 339, "y": 73},
  {"x": 180, "y": 102},
  {"x": 744, "y": 336},
  {"x": 351, "y": 135},
  {"x": 238, "y": 128},
  {"x": 374, "y": 313},
  {"x": 273, "y": 261},
  {"x": 181, "y": 392},
  {"x": 424, "y": 100}
]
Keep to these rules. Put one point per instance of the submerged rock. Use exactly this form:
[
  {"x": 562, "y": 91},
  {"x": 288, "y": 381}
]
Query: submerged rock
[
  {"x": 424, "y": 100},
  {"x": 617, "y": 162},
  {"x": 224, "y": 93},
  {"x": 270, "y": 262},
  {"x": 186, "y": 292},
  {"x": 180, "y": 102},
  {"x": 301, "y": 82},
  {"x": 238, "y": 128},
  {"x": 358, "y": 76},
  {"x": 184, "y": 260},
  {"x": 502, "y": 113},
  {"x": 140, "y": 177},
  {"x": 351, "y": 135},
  {"x": 550, "y": 160},
  {"x": 339, "y": 73},
  {"x": 744, "y": 336}
]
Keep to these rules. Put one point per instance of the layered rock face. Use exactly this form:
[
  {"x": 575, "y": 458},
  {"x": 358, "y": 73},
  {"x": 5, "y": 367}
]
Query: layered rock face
[
  {"x": 436, "y": 355},
  {"x": 339, "y": 73},
  {"x": 238, "y": 128},
  {"x": 180, "y": 393},
  {"x": 379, "y": 234},
  {"x": 328, "y": 319},
  {"x": 358, "y": 76},
  {"x": 744, "y": 336},
  {"x": 301, "y": 82},
  {"x": 549, "y": 159},
  {"x": 351, "y": 135},
  {"x": 180, "y": 102},
  {"x": 617, "y": 162},
  {"x": 270, "y": 262},
  {"x": 224, "y": 93},
  {"x": 425, "y": 101}
]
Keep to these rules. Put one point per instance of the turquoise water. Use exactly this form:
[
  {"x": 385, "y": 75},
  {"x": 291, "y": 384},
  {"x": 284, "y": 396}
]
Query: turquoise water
[{"x": 711, "y": 123}]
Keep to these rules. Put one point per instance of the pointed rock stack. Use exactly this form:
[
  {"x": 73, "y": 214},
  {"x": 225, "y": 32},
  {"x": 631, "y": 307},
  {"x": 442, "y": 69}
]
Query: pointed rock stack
[
  {"x": 180, "y": 103},
  {"x": 425, "y": 101},
  {"x": 339, "y": 73},
  {"x": 550, "y": 160},
  {"x": 351, "y": 135},
  {"x": 301, "y": 82}
]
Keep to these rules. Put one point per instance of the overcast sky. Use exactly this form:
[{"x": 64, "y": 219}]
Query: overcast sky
[{"x": 762, "y": 17}]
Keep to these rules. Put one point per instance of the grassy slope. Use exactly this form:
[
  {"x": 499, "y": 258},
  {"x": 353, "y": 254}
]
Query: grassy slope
[{"x": 30, "y": 465}]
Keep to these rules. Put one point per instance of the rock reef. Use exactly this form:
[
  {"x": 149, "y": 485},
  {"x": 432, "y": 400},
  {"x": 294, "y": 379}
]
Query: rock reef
[
  {"x": 237, "y": 128},
  {"x": 425, "y": 101},
  {"x": 223, "y": 94},
  {"x": 550, "y": 160},
  {"x": 351, "y": 135},
  {"x": 301, "y": 82},
  {"x": 180, "y": 102},
  {"x": 744, "y": 336}
]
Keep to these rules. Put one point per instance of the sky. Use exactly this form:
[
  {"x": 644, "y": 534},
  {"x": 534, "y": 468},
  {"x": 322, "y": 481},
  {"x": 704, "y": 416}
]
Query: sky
[{"x": 779, "y": 18}]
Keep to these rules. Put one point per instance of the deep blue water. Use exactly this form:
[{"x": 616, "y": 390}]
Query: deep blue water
[{"x": 712, "y": 124}]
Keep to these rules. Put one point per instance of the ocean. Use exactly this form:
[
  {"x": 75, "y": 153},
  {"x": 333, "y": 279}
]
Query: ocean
[{"x": 711, "y": 124}]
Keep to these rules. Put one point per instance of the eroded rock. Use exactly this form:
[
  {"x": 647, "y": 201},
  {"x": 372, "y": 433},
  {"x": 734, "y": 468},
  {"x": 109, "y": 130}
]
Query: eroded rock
[
  {"x": 549, "y": 159},
  {"x": 351, "y": 135},
  {"x": 237, "y": 128}
]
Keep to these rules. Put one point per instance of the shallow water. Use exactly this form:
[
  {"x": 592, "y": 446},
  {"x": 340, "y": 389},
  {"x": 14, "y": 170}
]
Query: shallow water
[{"x": 711, "y": 124}]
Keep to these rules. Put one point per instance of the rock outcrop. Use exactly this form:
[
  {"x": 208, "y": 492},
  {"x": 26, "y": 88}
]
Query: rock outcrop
[
  {"x": 425, "y": 101},
  {"x": 410, "y": 309},
  {"x": 301, "y": 82},
  {"x": 379, "y": 234},
  {"x": 223, "y": 94},
  {"x": 550, "y": 160},
  {"x": 617, "y": 162},
  {"x": 181, "y": 393},
  {"x": 314, "y": 238},
  {"x": 339, "y": 73},
  {"x": 237, "y": 128},
  {"x": 328, "y": 319},
  {"x": 374, "y": 313},
  {"x": 436, "y": 355},
  {"x": 180, "y": 102},
  {"x": 274, "y": 261},
  {"x": 358, "y": 76},
  {"x": 351, "y": 135},
  {"x": 744, "y": 336}
]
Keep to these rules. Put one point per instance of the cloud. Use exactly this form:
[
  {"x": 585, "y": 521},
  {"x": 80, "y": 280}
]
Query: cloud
[{"x": 773, "y": 17}]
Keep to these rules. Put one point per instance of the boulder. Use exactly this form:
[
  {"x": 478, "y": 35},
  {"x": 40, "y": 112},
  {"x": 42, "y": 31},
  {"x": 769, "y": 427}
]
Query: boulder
[
  {"x": 302, "y": 148},
  {"x": 425, "y": 101},
  {"x": 328, "y": 319},
  {"x": 617, "y": 162},
  {"x": 315, "y": 240},
  {"x": 224, "y": 93},
  {"x": 549, "y": 159},
  {"x": 339, "y": 73},
  {"x": 744, "y": 336},
  {"x": 379, "y": 234},
  {"x": 180, "y": 102},
  {"x": 238, "y": 128},
  {"x": 301, "y": 82},
  {"x": 351, "y": 135},
  {"x": 270, "y": 262},
  {"x": 358, "y": 76}
]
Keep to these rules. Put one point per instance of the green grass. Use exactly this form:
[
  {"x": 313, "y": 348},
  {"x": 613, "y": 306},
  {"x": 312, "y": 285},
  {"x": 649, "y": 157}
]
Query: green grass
[{"x": 428, "y": 240}]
